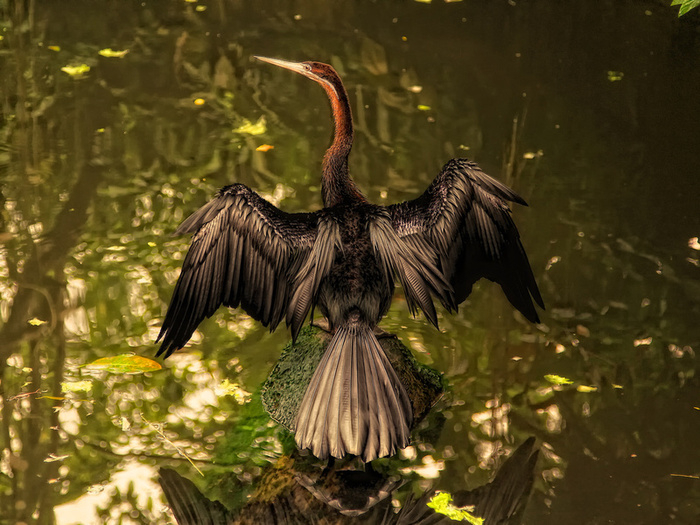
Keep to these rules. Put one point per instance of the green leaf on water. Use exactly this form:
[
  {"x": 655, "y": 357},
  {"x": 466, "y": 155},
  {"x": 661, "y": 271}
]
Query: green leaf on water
[
  {"x": 441, "y": 503},
  {"x": 125, "y": 364},
  {"x": 558, "y": 380}
]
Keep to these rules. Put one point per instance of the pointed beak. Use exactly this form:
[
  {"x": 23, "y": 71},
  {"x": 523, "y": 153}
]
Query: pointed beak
[{"x": 297, "y": 67}]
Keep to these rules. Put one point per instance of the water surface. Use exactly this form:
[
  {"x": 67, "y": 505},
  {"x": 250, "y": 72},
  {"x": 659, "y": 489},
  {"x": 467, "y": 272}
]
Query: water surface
[{"x": 588, "y": 110}]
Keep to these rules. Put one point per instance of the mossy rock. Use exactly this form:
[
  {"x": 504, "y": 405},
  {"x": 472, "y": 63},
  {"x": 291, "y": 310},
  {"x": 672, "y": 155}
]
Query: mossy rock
[{"x": 284, "y": 389}]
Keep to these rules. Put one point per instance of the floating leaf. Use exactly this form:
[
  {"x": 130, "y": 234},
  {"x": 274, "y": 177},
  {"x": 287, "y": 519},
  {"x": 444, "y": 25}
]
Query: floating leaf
[
  {"x": 111, "y": 53},
  {"x": 226, "y": 388},
  {"x": 76, "y": 386},
  {"x": 76, "y": 71},
  {"x": 125, "y": 364},
  {"x": 558, "y": 380},
  {"x": 585, "y": 389},
  {"x": 441, "y": 503},
  {"x": 533, "y": 154},
  {"x": 249, "y": 128},
  {"x": 52, "y": 457},
  {"x": 264, "y": 147},
  {"x": 615, "y": 76},
  {"x": 36, "y": 322}
]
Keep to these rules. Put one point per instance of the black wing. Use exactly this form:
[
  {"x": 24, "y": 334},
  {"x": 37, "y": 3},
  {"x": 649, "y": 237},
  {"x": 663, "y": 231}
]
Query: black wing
[
  {"x": 245, "y": 252},
  {"x": 463, "y": 218}
]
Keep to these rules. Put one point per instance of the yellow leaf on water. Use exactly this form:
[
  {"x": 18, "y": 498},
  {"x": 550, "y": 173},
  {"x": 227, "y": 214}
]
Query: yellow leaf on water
[
  {"x": 441, "y": 503},
  {"x": 249, "y": 128},
  {"x": 558, "y": 380},
  {"x": 76, "y": 386},
  {"x": 226, "y": 388},
  {"x": 615, "y": 76},
  {"x": 111, "y": 53},
  {"x": 76, "y": 71}
]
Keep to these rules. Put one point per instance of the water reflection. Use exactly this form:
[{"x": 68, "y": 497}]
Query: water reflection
[
  {"x": 292, "y": 491},
  {"x": 95, "y": 172}
]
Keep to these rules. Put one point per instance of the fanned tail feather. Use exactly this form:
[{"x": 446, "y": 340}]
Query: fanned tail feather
[{"x": 355, "y": 403}]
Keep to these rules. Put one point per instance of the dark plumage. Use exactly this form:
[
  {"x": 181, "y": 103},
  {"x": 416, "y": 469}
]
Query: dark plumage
[{"x": 344, "y": 260}]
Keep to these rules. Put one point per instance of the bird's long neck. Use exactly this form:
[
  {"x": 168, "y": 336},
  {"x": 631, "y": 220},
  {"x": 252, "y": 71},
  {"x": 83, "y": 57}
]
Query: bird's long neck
[{"x": 336, "y": 185}]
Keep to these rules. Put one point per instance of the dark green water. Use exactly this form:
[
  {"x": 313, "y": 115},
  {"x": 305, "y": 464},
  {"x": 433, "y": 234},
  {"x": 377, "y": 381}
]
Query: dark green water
[{"x": 590, "y": 110}]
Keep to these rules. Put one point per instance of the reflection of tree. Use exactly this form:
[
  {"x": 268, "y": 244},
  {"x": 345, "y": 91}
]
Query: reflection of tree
[{"x": 32, "y": 358}]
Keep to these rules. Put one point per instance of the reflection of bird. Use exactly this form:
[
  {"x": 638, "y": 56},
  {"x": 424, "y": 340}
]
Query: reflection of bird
[
  {"x": 344, "y": 496},
  {"x": 344, "y": 259}
]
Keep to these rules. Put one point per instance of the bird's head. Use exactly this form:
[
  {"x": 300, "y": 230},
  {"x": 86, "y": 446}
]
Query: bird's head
[{"x": 316, "y": 71}]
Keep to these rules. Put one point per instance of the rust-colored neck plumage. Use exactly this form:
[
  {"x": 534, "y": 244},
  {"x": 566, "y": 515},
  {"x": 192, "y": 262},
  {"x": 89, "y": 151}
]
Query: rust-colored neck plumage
[{"x": 336, "y": 185}]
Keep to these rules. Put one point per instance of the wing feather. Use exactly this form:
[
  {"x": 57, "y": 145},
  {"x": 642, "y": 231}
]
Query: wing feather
[
  {"x": 307, "y": 279},
  {"x": 419, "y": 275},
  {"x": 243, "y": 252},
  {"x": 464, "y": 224}
]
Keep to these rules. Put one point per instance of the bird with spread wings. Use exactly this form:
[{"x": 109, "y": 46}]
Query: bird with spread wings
[{"x": 344, "y": 260}]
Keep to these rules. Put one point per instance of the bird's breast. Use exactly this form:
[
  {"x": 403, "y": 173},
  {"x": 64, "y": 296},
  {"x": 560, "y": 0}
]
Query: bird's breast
[{"x": 356, "y": 281}]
